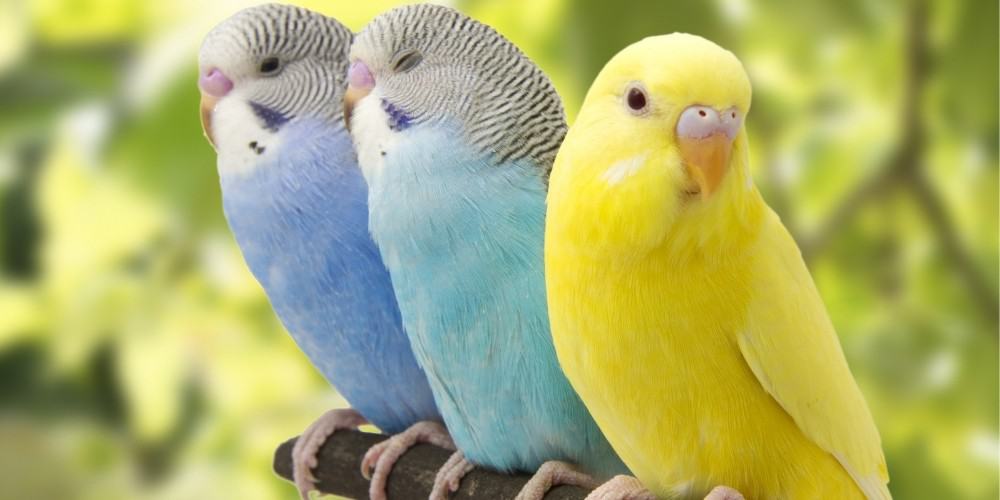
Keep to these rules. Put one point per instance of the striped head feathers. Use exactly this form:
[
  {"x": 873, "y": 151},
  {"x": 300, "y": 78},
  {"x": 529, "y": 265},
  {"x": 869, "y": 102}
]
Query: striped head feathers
[
  {"x": 267, "y": 65},
  {"x": 426, "y": 65}
]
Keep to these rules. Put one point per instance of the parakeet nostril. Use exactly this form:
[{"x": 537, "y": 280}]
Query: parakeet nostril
[
  {"x": 698, "y": 122},
  {"x": 359, "y": 76},
  {"x": 731, "y": 121},
  {"x": 214, "y": 83}
]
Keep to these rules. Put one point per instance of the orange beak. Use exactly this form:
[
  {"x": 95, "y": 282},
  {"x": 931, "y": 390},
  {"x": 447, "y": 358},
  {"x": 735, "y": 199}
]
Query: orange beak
[
  {"x": 707, "y": 160},
  {"x": 705, "y": 139}
]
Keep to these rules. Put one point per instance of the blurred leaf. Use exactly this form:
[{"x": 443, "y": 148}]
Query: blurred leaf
[
  {"x": 70, "y": 21},
  {"x": 163, "y": 150}
]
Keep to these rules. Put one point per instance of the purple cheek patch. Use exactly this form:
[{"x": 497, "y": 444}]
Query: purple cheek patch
[
  {"x": 398, "y": 119},
  {"x": 273, "y": 119}
]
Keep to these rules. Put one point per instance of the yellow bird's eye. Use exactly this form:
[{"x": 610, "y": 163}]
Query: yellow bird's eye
[{"x": 636, "y": 100}]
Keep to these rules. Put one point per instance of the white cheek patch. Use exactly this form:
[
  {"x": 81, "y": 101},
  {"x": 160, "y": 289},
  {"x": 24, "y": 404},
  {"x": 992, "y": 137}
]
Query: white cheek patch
[
  {"x": 622, "y": 169},
  {"x": 373, "y": 139},
  {"x": 242, "y": 143}
]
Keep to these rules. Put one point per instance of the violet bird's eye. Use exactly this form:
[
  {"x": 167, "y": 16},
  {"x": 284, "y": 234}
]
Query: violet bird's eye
[
  {"x": 635, "y": 98},
  {"x": 407, "y": 61},
  {"x": 269, "y": 66}
]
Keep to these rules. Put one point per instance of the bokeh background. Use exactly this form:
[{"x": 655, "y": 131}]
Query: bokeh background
[{"x": 139, "y": 358}]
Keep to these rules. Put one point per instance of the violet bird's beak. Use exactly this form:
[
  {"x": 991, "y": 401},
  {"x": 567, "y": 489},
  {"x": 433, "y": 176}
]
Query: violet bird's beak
[
  {"x": 705, "y": 137},
  {"x": 214, "y": 86},
  {"x": 360, "y": 83}
]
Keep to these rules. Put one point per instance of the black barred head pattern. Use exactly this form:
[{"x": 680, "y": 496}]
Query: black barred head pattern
[
  {"x": 282, "y": 58},
  {"x": 436, "y": 64}
]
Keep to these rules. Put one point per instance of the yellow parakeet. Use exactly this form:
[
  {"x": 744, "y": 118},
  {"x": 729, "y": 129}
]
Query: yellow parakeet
[{"x": 681, "y": 309}]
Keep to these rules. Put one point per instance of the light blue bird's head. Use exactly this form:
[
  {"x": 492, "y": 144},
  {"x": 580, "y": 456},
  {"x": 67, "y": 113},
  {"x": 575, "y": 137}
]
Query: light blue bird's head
[
  {"x": 425, "y": 65},
  {"x": 262, "y": 69}
]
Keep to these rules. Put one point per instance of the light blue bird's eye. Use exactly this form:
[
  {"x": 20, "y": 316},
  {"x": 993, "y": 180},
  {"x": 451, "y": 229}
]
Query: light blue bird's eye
[
  {"x": 406, "y": 61},
  {"x": 270, "y": 66}
]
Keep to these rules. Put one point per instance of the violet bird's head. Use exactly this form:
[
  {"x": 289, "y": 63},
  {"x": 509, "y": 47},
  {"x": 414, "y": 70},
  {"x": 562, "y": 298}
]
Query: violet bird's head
[{"x": 270, "y": 64}]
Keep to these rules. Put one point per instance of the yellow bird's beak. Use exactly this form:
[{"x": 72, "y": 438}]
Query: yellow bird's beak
[
  {"x": 360, "y": 83},
  {"x": 705, "y": 139},
  {"x": 213, "y": 86}
]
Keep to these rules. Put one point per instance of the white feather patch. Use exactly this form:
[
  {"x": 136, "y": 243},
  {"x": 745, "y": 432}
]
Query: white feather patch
[
  {"x": 622, "y": 169},
  {"x": 373, "y": 139},
  {"x": 242, "y": 143}
]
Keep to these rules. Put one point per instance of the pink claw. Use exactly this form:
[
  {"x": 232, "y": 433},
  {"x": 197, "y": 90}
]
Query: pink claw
[
  {"x": 621, "y": 487},
  {"x": 306, "y": 449},
  {"x": 551, "y": 474},
  {"x": 379, "y": 460}
]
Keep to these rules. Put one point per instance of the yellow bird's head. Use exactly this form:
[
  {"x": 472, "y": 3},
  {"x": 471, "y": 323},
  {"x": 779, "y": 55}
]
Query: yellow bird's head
[{"x": 658, "y": 152}]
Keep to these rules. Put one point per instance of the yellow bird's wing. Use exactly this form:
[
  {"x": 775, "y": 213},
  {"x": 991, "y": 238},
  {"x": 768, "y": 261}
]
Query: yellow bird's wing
[{"x": 791, "y": 347}]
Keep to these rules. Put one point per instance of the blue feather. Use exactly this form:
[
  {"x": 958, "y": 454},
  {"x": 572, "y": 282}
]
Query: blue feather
[
  {"x": 301, "y": 220},
  {"x": 462, "y": 238},
  {"x": 398, "y": 119}
]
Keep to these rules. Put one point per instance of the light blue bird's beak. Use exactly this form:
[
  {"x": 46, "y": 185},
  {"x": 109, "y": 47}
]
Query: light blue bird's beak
[{"x": 360, "y": 83}]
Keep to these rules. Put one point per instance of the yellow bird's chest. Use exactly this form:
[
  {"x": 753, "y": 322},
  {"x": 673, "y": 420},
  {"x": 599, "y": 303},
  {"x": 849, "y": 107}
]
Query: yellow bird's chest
[{"x": 653, "y": 353}]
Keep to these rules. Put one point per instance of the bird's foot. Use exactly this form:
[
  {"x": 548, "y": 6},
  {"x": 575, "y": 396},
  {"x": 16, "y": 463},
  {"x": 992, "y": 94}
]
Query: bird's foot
[
  {"x": 554, "y": 473},
  {"x": 304, "y": 453},
  {"x": 723, "y": 493},
  {"x": 378, "y": 461},
  {"x": 449, "y": 476},
  {"x": 621, "y": 487}
]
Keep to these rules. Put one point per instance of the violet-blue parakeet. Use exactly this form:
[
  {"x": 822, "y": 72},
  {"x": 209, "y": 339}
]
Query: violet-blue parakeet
[{"x": 272, "y": 83}]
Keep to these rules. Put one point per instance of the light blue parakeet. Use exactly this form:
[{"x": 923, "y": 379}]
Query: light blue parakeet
[
  {"x": 272, "y": 81},
  {"x": 456, "y": 131}
]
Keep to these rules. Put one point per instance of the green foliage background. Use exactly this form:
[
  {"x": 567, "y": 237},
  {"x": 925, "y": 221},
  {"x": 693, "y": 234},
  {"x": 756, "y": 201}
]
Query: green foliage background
[{"x": 139, "y": 359}]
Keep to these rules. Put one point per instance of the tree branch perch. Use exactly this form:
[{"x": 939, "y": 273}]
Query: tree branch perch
[
  {"x": 339, "y": 472},
  {"x": 905, "y": 170}
]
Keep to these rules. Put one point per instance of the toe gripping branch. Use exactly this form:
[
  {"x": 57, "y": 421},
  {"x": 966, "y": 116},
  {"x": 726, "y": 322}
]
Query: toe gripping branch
[{"x": 339, "y": 472}]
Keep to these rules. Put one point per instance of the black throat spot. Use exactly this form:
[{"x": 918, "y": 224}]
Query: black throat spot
[{"x": 273, "y": 119}]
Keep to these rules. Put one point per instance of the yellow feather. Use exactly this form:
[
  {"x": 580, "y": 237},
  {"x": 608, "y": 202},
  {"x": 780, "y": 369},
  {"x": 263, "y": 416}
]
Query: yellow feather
[{"x": 690, "y": 327}]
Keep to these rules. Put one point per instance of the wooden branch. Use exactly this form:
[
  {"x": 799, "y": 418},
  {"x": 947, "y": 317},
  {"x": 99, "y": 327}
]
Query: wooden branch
[
  {"x": 899, "y": 162},
  {"x": 339, "y": 472},
  {"x": 904, "y": 169},
  {"x": 869, "y": 190},
  {"x": 905, "y": 157},
  {"x": 979, "y": 289}
]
